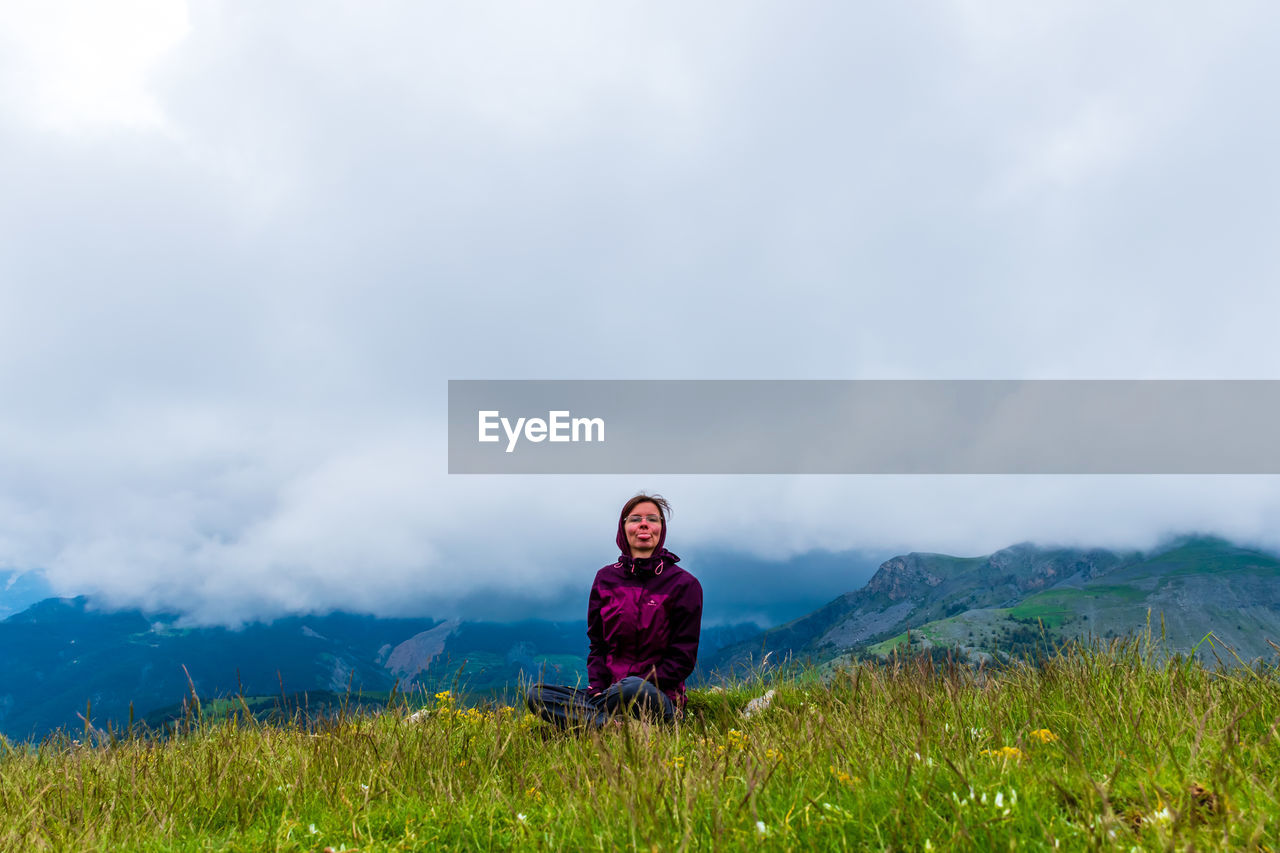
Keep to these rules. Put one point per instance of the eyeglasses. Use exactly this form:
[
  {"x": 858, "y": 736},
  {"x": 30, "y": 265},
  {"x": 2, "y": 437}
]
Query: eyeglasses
[{"x": 636, "y": 519}]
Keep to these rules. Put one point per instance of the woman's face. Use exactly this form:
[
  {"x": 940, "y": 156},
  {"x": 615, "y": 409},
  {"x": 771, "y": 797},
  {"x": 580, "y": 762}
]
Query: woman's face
[{"x": 643, "y": 526}]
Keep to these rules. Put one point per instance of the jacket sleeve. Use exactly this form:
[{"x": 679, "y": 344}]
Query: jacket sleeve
[
  {"x": 597, "y": 665},
  {"x": 686, "y": 626}
]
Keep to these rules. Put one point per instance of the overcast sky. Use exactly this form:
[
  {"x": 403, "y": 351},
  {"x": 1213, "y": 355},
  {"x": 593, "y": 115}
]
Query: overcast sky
[{"x": 243, "y": 247}]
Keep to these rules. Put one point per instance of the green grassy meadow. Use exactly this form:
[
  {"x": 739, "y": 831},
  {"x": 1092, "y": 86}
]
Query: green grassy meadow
[
  {"x": 1052, "y": 605},
  {"x": 1097, "y": 748}
]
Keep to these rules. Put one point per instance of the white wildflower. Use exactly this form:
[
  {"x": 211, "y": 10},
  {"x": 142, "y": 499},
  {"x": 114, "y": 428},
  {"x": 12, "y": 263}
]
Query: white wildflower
[
  {"x": 999, "y": 799},
  {"x": 521, "y": 816},
  {"x": 311, "y": 829},
  {"x": 761, "y": 828}
]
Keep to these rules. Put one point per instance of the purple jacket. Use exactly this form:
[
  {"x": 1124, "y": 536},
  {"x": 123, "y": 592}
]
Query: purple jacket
[{"x": 644, "y": 619}]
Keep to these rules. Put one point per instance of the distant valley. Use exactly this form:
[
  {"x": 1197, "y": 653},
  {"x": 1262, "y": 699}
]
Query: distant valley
[{"x": 63, "y": 659}]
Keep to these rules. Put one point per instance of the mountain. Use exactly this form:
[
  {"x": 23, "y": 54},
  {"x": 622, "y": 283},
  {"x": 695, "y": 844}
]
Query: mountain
[
  {"x": 1027, "y": 597},
  {"x": 63, "y": 658},
  {"x": 62, "y": 655}
]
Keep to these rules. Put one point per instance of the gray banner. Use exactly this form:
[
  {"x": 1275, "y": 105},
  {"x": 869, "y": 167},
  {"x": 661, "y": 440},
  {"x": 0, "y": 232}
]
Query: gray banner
[{"x": 863, "y": 427}]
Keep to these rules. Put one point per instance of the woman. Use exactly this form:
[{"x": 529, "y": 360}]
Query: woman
[{"x": 643, "y": 622}]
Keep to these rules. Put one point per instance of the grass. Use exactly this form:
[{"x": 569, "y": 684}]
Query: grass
[
  {"x": 1059, "y": 598},
  {"x": 1100, "y": 747},
  {"x": 1055, "y": 606},
  {"x": 1207, "y": 556}
]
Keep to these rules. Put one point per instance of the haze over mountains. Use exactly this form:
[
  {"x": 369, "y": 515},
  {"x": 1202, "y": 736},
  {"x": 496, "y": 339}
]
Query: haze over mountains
[{"x": 63, "y": 657}]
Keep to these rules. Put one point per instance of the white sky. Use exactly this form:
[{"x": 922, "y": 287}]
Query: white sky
[{"x": 243, "y": 246}]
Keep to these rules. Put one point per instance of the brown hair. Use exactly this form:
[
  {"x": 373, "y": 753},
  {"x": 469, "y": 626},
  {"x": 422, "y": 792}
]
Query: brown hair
[{"x": 664, "y": 508}]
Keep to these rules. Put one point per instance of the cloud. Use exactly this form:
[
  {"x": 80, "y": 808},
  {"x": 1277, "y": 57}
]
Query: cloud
[
  {"x": 243, "y": 248},
  {"x": 77, "y": 67}
]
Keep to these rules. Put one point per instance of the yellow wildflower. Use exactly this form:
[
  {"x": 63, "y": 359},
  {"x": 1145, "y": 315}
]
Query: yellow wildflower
[
  {"x": 1005, "y": 752},
  {"x": 1042, "y": 736}
]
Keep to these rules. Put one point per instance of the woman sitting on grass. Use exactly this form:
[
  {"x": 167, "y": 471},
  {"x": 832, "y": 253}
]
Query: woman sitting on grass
[{"x": 643, "y": 621}]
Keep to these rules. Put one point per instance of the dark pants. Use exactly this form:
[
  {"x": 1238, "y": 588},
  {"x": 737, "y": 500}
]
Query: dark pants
[{"x": 572, "y": 707}]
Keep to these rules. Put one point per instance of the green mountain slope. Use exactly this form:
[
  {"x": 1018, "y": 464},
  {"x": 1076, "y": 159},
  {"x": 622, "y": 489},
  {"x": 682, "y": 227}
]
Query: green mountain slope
[{"x": 1025, "y": 597}]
